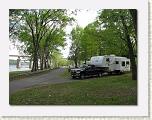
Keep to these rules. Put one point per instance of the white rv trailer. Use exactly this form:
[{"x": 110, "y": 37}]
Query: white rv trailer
[{"x": 111, "y": 63}]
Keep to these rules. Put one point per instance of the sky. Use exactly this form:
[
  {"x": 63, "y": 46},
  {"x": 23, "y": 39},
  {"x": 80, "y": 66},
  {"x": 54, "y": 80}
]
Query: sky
[{"x": 83, "y": 18}]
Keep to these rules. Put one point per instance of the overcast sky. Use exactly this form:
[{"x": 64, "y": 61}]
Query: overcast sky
[{"x": 83, "y": 17}]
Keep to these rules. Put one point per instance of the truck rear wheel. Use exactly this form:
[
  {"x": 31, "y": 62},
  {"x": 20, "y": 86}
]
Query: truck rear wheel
[
  {"x": 118, "y": 72},
  {"x": 99, "y": 74},
  {"x": 110, "y": 73},
  {"x": 82, "y": 76}
]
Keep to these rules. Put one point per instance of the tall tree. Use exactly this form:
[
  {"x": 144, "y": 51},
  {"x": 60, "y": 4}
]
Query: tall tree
[
  {"x": 133, "y": 13},
  {"x": 75, "y": 47},
  {"x": 122, "y": 22},
  {"x": 15, "y": 16},
  {"x": 37, "y": 25}
]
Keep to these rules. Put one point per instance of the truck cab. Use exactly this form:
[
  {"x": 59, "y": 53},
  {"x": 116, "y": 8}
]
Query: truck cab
[{"x": 85, "y": 71}]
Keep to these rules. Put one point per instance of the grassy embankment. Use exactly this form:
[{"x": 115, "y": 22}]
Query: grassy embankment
[
  {"x": 107, "y": 90},
  {"x": 17, "y": 75}
]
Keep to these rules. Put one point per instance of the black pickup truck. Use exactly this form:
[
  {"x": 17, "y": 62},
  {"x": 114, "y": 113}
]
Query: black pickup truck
[{"x": 86, "y": 71}]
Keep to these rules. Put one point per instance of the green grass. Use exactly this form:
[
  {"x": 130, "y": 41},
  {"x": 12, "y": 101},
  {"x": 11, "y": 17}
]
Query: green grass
[
  {"x": 108, "y": 90},
  {"x": 18, "y": 75}
]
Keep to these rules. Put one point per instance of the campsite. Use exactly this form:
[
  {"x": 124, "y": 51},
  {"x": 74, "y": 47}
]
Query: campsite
[{"x": 73, "y": 57}]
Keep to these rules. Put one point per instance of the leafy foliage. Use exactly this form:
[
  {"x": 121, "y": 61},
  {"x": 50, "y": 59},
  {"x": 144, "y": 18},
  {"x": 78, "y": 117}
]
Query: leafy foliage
[
  {"x": 113, "y": 32},
  {"x": 41, "y": 31}
]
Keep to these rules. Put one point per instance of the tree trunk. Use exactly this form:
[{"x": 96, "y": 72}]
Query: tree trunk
[
  {"x": 45, "y": 64},
  {"x": 35, "y": 61},
  {"x": 85, "y": 61},
  {"x": 30, "y": 65},
  {"x": 131, "y": 51},
  {"x": 46, "y": 61},
  {"x": 133, "y": 13},
  {"x": 76, "y": 62},
  {"x": 42, "y": 62}
]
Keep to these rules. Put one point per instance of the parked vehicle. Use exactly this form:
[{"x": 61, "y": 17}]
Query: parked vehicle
[
  {"x": 85, "y": 71},
  {"x": 102, "y": 64},
  {"x": 111, "y": 63}
]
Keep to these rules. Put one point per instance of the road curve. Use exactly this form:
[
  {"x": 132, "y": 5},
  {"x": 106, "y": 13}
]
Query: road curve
[{"x": 51, "y": 77}]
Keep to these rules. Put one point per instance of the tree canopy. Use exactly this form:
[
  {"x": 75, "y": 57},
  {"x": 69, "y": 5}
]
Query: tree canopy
[
  {"x": 42, "y": 32},
  {"x": 113, "y": 32}
]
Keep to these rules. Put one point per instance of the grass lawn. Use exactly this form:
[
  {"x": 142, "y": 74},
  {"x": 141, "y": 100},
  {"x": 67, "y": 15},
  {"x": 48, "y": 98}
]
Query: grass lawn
[
  {"x": 107, "y": 90},
  {"x": 17, "y": 75}
]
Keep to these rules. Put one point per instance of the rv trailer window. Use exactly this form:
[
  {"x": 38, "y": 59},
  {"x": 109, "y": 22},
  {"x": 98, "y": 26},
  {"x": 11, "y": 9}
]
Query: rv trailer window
[
  {"x": 117, "y": 62},
  {"x": 123, "y": 63},
  {"x": 107, "y": 59},
  {"x": 127, "y": 62}
]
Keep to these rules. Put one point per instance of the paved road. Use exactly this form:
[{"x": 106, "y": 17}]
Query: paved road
[{"x": 51, "y": 77}]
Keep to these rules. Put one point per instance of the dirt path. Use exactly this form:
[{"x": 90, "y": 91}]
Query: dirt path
[{"x": 51, "y": 77}]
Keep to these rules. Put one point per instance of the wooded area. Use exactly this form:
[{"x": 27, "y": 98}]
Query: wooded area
[
  {"x": 113, "y": 32},
  {"x": 42, "y": 31}
]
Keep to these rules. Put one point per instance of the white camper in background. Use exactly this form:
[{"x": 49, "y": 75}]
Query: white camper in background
[{"x": 111, "y": 63}]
